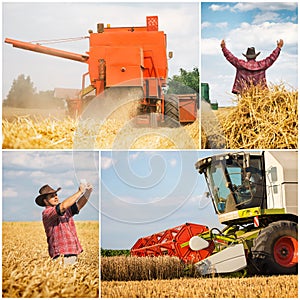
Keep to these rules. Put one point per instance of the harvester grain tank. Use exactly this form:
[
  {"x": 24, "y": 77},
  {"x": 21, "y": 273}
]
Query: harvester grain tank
[
  {"x": 129, "y": 58},
  {"x": 255, "y": 195}
]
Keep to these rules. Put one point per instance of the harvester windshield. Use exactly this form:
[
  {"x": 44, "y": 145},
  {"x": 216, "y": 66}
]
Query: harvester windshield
[{"x": 235, "y": 181}]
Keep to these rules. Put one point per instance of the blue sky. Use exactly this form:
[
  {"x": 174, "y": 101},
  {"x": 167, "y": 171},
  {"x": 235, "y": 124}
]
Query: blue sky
[
  {"x": 34, "y": 21},
  {"x": 24, "y": 172},
  {"x": 144, "y": 192},
  {"x": 243, "y": 25}
]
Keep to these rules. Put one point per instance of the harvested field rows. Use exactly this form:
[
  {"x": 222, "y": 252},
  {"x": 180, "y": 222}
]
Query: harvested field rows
[
  {"x": 262, "y": 119},
  {"x": 28, "y": 271},
  {"x": 255, "y": 287}
]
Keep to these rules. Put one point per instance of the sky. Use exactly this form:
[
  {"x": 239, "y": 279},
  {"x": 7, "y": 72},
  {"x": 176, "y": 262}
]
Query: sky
[
  {"x": 25, "y": 172},
  {"x": 48, "y": 21},
  {"x": 242, "y": 25},
  {"x": 144, "y": 192}
]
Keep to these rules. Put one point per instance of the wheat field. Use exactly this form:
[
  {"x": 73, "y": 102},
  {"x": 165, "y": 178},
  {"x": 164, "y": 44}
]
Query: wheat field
[
  {"x": 168, "y": 277},
  {"x": 255, "y": 287},
  {"x": 28, "y": 271}
]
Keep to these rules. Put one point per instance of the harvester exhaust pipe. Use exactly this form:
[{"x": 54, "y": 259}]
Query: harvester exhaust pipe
[{"x": 46, "y": 50}]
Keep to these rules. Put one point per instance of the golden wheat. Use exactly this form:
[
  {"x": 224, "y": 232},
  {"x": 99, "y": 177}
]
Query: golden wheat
[
  {"x": 27, "y": 132},
  {"x": 120, "y": 268},
  {"x": 255, "y": 287},
  {"x": 28, "y": 271}
]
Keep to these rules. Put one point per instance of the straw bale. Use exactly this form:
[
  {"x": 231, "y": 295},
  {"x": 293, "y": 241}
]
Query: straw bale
[
  {"x": 262, "y": 119},
  {"x": 117, "y": 131}
]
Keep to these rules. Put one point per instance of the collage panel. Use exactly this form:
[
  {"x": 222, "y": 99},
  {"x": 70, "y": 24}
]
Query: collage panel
[
  {"x": 172, "y": 220},
  {"x": 50, "y": 224},
  {"x": 112, "y": 167},
  {"x": 119, "y": 79},
  {"x": 249, "y": 75}
]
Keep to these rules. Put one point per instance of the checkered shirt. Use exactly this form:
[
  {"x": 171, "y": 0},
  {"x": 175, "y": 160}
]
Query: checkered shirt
[
  {"x": 251, "y": 71},
  {"x": 61, "y": 231}
]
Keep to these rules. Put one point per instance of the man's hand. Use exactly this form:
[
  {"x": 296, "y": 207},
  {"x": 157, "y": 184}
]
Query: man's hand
[
  {"x": 82, "y": 188},
  {"x": 280, "y": 43},
  {"x": 86, "y": 195},
  {"x": 223, "y": 44}
]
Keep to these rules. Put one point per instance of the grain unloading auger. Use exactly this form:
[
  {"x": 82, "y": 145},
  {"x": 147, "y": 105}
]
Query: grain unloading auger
[
  {"x": 134, "y": 61},
  {"x": 255, "y": 196}
]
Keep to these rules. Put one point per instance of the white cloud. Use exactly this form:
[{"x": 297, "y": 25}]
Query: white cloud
[
  {"x": 9, "y": 192},
  {"x": 106, "y": 162},
  {"x": 217, "y": 7},
  {"x": 134, "y": 156},
  {"x": 210, "y": 46},
  {"x": 265, "y": 6},
  {"x": 205, "y": 25},
  {"x": 173, "y": 162},
  {"x": 266, "y": 16},
  {"x": 262, "y": 36},
  {"x": 222, "y": 25}
]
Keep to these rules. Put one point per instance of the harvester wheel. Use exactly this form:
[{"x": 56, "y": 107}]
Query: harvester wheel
[
  {"x": 275, "y": 250},
  {"x": 171, "y": 111}
]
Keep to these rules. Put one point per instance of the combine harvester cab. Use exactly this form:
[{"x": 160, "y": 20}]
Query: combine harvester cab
[{"x": 255, "y": 196}]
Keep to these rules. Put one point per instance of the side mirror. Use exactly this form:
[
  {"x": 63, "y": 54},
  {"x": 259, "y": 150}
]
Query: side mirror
[
  {"x": 197, "y": 243},
  {"x": 171, "y": 54}
]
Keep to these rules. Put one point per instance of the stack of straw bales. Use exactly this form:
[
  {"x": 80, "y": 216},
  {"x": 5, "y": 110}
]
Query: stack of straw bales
[{"x": 262, "y": 119}]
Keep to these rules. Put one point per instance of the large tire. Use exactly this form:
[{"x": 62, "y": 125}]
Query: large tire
[
  {"x": 275, "y": 250},
  {"x": 171, "y": 111}
]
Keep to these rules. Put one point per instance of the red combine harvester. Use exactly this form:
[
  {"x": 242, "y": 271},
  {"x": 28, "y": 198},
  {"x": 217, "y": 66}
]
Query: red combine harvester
[{"x": 128, "y": 59}]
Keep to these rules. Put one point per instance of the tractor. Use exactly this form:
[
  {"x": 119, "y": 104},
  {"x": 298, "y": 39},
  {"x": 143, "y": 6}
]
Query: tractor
[
  {"x": 127, "y": 62},
  {"x": 255, "y": 198}
]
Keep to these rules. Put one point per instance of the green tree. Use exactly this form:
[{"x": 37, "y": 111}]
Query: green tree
[
  {"x": 185, "y": 83},
  {"x": 21, "y": 93}
]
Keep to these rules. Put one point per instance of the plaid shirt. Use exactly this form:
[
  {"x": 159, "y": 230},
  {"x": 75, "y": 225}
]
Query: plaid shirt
[
  {"x": 60, "y": 231},
  {"x": 251, "y": 71}
]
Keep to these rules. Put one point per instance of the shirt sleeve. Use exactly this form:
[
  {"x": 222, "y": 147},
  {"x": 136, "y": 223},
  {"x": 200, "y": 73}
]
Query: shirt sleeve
[
  {"x": 74, "y": 209},
  {"x": 58, "y": 211},
  {"x": 231, "y": 58},
  {"x": 268, "y": 61}
]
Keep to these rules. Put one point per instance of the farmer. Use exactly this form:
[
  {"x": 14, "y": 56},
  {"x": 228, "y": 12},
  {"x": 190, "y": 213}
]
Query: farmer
[
  {"x": 250, "y": 71},
  {"x": 58, "y": 221}
]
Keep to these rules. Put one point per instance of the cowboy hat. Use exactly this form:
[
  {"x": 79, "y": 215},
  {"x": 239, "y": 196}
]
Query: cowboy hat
[
  {"x": 250, "y": 54},
  {"x": 44, "y": 191}
]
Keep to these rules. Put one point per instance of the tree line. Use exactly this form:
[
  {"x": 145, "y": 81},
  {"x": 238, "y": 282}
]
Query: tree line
[{"x": 23, "y": 94}]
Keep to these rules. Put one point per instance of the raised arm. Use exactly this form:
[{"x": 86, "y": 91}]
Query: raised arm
[
  {"x": 229, "y": 56},
  {"x": 72, "y": 199},
  {"x": 85, "y": 197}
]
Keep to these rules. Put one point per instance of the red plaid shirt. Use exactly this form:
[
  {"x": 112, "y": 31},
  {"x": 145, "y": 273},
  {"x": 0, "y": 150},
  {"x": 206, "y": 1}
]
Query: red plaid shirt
[
  {"x": 61, "y": 232},
  {"x": 251, "y": 71}
]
